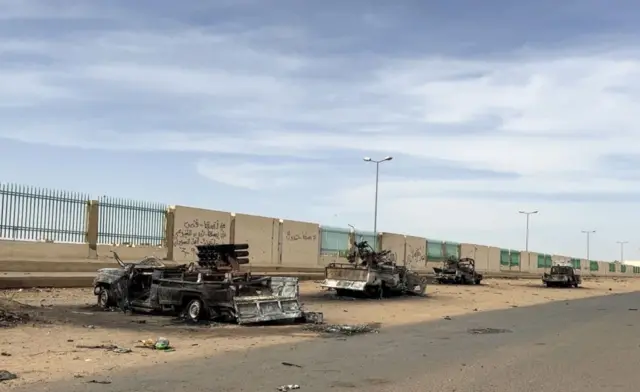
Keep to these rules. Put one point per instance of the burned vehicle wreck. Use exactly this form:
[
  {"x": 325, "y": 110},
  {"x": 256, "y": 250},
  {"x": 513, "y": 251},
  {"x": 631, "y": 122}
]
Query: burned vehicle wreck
[
  {"x": 212, "y": 288},
  {"x": 374, "y": 274},
  {"x": 562, "y": 276},
  {"x": 458, "y": 271}
]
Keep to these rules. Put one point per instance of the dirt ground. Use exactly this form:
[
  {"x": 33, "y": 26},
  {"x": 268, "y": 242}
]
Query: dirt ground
[{"x": 47, "y": 351}]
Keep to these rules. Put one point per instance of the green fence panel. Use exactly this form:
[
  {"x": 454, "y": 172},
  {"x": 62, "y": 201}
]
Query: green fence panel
[
  {"x": 451, "y": 249},
  {"x": 575, "y": 263},
  {"x": 435, "y": 250},
  {"x": 133, "y": 222},
  {"x": 505, "y": 258},
  {"x": 541, "y": 261},
  {"x": 612, "y": 267},
  {"x": 334, "y": 240},
  {"x": 515, "y": 258},
  {"x": 593, "y": 265},
  {"x": 636, "y": 270},
  {"x": 37, "y": 214},
  {"x": 623, "y": 268}
]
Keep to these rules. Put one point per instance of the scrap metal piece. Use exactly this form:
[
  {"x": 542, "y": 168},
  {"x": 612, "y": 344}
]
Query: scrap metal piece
[{"x": 344, "y": 329}]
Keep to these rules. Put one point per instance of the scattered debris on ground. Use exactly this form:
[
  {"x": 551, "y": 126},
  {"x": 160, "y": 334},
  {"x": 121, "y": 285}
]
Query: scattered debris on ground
[
  {"x": 161, "y": 344},
  {"x": 290, "y": 387},
  {"x": 13, "y": 313},
  {"x": 291, "y": 364},
  {"x": 99, "y": 382},
  {"x": 343, "y": 329},
  {"x": 6, "y": 376},
  {"x": 107, "y": 347},
  {"x": 487, "y": 331}
]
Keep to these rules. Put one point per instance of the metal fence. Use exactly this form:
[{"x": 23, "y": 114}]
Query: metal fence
[
  {"x": 131, "y": 222},
  {"x": 38, "y": 214},
  {"x": 334, "y": 240}
]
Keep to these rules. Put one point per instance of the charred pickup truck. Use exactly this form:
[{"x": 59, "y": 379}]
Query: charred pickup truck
[
  {"x": 562, "y": 276},
  {"x": 374, "y": 274},
  {"x": 212, "y": 288},
  {"x": 458, "y": 271}
]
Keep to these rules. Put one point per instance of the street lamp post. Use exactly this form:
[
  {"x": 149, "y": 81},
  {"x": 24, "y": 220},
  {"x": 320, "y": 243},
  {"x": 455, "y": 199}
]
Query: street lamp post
[
  {"x": 588, "y": 233},
  {"x": 527, "y": 213},
  {"x": 622, "y": 250},
  {"x": 375, "y": 211}
]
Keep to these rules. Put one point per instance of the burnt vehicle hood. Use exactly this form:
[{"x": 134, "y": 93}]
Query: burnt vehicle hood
[{"x": 109, "y": 275}]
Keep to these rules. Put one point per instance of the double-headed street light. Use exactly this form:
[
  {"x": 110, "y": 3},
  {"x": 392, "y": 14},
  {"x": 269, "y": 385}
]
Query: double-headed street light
[
  {"x": 622, "y": 250},
  {"x": 375, "y": 212},
  {"x": 527, "y": 213},
  {"x": 588, "y": 233}
]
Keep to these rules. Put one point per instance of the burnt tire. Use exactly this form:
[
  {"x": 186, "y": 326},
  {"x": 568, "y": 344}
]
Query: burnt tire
[
  {"x": 105, "y": 299},
  {"x": 195, "y": 310},
  {"x": 342, "y": 292}
]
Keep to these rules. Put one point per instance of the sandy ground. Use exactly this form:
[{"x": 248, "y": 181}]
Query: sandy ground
[{"x": 48, "y": 351}]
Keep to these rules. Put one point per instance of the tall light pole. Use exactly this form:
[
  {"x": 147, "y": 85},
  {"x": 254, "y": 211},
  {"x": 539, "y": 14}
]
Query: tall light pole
[
  {"x": 588, "y": 233},
  {"x": 375, "y": 211},
  {"x": 527, "y": 213},
  {"x": 622, "y": 250}
]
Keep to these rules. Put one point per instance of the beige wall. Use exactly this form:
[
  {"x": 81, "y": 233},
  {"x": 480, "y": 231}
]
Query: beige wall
[
  {"x": 31, "y": 250},
  {"x": 494, "y": 259},
  {"x": 300, "y": 244},
  {"x": 526, "y": 261},
  {"x": 195, "y": 226},
  {"x": 131, "y": 253},
  {"x": 416, "y": 253},
  {"x": 262, "y": 234},
  {"x": 396, "y": 244},
  {"x": 273, "y": 243}
]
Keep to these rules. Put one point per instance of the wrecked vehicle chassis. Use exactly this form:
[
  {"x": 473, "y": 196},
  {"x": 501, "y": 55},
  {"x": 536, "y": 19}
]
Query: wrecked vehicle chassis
[
  {"x": 458, "y": 271},
  {"x": 230, "y": 296},
  {"x": 373, "y": 282}
]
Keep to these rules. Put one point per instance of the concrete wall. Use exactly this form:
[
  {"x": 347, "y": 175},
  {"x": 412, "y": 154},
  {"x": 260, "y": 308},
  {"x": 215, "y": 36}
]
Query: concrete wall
[
  {"x": 416, "y": 253},
  {"x": 494, "y": 259},
  {"x": 31, "y": 250},
  {"x": 263, "y": 236},
  {"x": 300, "y": 244},
  {"x": 195, "y": 226},
  {"x": 396, "y": 243},
  {"x": 274, "y": 243}
]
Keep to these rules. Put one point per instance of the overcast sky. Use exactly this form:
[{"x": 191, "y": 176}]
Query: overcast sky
[{"x": 267, "y": 107}]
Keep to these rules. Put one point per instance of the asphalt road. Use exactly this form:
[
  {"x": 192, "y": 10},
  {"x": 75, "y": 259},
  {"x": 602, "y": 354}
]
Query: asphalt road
[{"x": 584, "y": 345}]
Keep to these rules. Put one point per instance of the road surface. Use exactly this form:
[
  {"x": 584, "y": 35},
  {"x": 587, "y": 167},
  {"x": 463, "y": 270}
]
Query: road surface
[{"x": 583, "y": 345}]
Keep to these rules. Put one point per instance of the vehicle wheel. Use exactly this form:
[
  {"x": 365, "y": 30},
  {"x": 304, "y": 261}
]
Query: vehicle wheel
[
  {"x": 195, "y": 310},
  {"x": 477, "y": 281},
  {"x": 104, "y": 298}
]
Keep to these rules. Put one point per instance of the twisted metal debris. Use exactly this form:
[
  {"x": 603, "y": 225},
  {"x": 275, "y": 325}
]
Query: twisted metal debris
[{"x": 343, "y": 329}]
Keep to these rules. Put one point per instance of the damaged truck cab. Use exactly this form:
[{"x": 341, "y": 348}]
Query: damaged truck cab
[{"x": 214, "y": 288}]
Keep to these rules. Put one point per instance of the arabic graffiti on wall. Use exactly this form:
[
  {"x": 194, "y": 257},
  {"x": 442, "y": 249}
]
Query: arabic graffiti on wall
[
  {"x": 199, "y": 232},
  {"x": 415, "y": 256},
  {"x": 300, "y": 236}
]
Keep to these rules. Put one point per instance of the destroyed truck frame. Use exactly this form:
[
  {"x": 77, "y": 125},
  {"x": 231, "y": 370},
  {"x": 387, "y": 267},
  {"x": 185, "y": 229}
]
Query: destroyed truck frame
[{"x": 212, "y": 289}]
